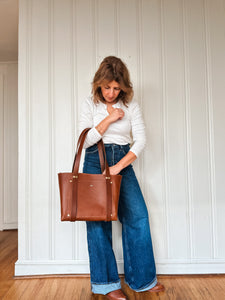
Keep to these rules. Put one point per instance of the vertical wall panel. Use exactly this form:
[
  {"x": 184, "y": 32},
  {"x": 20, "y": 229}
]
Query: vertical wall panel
[
  {"x": 153, "y": 168},
  {"x": 215, "y": 20},
  {"x": 23, "y": 129},
  {"x": 9, "y": 145},
  {"x": 106, "y": 28},
  {"x": 174, "y": 130},
  {"x": 175, "y": 53},
  {"x": 85, "y": 46},
  {"x": 62, "y": 64},
  {"x": 1, "y": 150},
  {"x": 39, "y": 134},
  {"x": 53, "y": 189},
  {"x": 199, "y": 143}
]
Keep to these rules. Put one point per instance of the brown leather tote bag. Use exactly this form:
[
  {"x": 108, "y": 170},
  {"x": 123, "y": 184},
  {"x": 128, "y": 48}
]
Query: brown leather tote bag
[{"x": 89, "y": 197}]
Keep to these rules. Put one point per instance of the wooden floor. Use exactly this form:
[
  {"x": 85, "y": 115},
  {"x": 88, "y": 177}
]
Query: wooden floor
[{"x": 78, "y": 288}]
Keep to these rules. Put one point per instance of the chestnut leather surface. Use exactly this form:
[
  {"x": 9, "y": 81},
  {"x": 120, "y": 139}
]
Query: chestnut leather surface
[
  {"x": 157, "y": 288},
  {"x": 116, "y": 295}
]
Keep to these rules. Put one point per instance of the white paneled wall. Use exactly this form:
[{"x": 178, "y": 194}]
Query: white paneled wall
[
  {"x": 8, "y": 145},
  {"x": 175, "y": 51}
]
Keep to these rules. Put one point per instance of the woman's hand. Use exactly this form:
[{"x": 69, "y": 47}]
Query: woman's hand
[
  {"x": 114, "y": 170},
  {"x": 123, "y": 163},
  {"x": 115, "y": 114}
]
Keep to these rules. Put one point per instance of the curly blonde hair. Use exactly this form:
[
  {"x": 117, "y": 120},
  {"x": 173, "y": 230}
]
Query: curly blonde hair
[{"x": 112, "y": 68}]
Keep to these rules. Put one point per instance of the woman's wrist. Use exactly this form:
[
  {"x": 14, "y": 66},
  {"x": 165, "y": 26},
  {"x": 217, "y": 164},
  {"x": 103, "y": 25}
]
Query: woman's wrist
[
  {"x": 103, "y": 125},
  {"x": 109, "y": 120},
  {"x": 126, "y": 160},
  {"x": 120, "y": 165}
]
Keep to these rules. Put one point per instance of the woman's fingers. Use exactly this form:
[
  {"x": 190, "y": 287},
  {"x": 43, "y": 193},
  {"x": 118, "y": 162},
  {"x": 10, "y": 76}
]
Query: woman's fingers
[{"x": 116, "y": 114}]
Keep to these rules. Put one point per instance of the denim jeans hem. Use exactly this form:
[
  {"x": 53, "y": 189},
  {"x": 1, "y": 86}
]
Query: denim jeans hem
[
  {"x": 146, "y": 287},
  {"x": 105, "y": 288}
]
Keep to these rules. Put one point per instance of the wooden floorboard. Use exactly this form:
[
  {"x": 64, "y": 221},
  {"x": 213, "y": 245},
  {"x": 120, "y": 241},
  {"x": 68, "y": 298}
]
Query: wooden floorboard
[{"x": 185, "y": 287}]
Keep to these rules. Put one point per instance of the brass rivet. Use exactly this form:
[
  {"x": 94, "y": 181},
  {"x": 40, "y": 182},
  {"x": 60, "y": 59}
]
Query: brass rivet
[
  {"x": 107, "y": 178},
  {"x": 111, "y": 182},
  {"x": 68, "y": 215},
  {"x": 75, "y": 176},
  {"x": 91, "y": 185},
  {"x": 71, "y": 180}
]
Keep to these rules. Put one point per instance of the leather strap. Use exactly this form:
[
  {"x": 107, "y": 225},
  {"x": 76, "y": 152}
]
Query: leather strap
[
  {"x": 101, "y": 158},
  {"x": 104, "y": 166},
  {"x": 78, "y": 144},
  {"x": 102, "y": 155},
  {"x": 77, "y": 157}
]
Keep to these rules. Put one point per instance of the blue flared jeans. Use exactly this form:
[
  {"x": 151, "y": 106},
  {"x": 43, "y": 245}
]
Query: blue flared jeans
[{"x": 139, "y": 263}]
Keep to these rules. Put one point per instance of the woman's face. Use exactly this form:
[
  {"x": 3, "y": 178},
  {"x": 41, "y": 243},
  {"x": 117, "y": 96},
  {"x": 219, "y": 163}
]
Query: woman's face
[{"x": 110, "y": 91}]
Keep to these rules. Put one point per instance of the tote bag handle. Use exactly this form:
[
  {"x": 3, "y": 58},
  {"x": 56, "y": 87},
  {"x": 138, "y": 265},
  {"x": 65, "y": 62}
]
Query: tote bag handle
[
  {"x": 101, "y": 151},
  {"x": 104, "y": 166}
]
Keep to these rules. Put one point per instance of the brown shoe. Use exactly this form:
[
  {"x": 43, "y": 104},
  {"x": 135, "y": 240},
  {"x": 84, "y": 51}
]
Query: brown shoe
[
  {"x": 157, "y": 288},
  {"x": 116, "y": 295}
]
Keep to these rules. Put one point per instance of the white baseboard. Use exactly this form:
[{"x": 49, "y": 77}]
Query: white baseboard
[
  {"x": 26, "y": 268},
  {"x": 194, "y": 267},
  {"x": 8, "y": 226},
  {"x": 29, "y": 268}
]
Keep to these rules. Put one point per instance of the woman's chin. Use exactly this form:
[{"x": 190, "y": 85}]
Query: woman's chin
[{"x": 110, "y": 100}]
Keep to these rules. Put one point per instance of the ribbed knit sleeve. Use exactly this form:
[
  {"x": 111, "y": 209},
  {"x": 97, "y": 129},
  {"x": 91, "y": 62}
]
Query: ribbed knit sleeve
[
  {"x": 138, "y": 129},
  {"x": 86, "y": 121}
]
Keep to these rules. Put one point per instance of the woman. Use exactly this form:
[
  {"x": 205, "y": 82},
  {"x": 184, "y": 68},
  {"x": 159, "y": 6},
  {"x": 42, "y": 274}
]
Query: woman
[{"x": 113, "y": 117}]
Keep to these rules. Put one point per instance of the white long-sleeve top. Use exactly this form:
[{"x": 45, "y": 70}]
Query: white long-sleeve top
[{"x": 129, "y": 129}]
